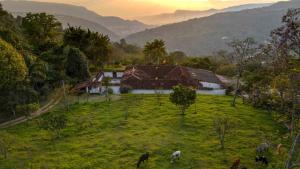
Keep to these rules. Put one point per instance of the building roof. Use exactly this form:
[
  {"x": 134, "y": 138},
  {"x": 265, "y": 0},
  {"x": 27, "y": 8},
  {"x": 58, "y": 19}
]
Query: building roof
[
  {"x": 204, "y": 75},
  {"x": 95, "y": 82},
  {"x": 153, "y": 77}
]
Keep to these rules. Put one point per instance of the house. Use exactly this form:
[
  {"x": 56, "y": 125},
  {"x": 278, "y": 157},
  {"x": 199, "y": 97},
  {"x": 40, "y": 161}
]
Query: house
[
  {"x": 148, "y": 79},
  {"x": 206, "y": 79},
  {"x": 151, "y": 77},
  {"x": 93, "y": 86}
]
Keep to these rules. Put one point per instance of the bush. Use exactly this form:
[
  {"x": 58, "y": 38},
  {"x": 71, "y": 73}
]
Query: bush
[
  {"x": 183, "y": 97},
  {"x": 125, "y": 89},
  {"x": 27, "y": 108},
  {"x": 55, "y": 123},
  {"x": 110, "y": 91},
  {"x": 229, "y": 90}
]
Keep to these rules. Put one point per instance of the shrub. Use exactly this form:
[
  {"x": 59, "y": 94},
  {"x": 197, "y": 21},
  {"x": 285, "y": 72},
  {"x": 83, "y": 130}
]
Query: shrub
[
  {"x": 26, "y": 109},
  {"x": 183, "y": 97},
  {"x": 110, "y": 91},
  {"x": 125, "y": 89},
  {"x": 55, "y": 123},
  {"x": 222, "y": 127},
  {"x": 229, "y": 90}
]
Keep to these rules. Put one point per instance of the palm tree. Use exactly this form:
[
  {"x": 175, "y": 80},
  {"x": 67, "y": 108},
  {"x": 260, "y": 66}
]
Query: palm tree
[{"x": 155, "y": 51}]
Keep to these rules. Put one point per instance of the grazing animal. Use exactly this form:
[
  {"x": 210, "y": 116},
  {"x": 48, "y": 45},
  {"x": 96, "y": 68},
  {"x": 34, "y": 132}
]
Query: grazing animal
[
  {"x": 236, "y": 164},
  {"x": 143, "y": 158},
  {"x": 175, "y": 155},
  {"x": 262, "y": 148},
  {"x": 261, "y": 159}
]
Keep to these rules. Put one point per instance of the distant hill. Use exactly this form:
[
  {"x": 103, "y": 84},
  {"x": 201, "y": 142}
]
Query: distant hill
[
  {"x": 117, "y": 25},
  {"x": 183, "y": 15},
  {"x": 205, "y": 35},
  {"x": 73, "y": 21}
]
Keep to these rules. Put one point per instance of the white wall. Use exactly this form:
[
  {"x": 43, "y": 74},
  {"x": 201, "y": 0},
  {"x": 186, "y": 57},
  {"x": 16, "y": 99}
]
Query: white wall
[
  {"x": 208, "y": 92},
  {"x": 110, "y": 74},
  {"x": 116, "y": 89},
  {"x": 211, "y": 85},
  {"x": 95, "y": 90}
]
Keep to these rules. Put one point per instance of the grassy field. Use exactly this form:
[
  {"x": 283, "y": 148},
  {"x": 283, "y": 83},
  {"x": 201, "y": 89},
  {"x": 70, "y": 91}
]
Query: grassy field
[{"x": 99, "y": 136}]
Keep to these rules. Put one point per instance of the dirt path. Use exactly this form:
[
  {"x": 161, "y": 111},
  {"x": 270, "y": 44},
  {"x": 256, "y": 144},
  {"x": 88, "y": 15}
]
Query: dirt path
[{"x": 53, "y": 102}]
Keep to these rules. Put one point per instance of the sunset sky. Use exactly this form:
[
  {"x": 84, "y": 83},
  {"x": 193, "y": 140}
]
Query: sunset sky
[{"x": 133, "y": 8}]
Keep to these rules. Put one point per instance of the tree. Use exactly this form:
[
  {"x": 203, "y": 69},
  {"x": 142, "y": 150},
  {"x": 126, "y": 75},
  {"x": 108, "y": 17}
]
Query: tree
[
  {"x": 158, "y": 94},
  {"x": 155, "y": 51},
  {"x": 199, "y": 63},
  {"x": 55, "y": 123},
  {"x": 94, "y": 45},
  {"x": 243, "y": 51},
  {"x": 106, "y": 83},
  {"x": 183, "y": 97},
  {"x": 41, "y": 30},
  {"x": 176, "y": 57},
  {"x": 222, "y": 127},
  {"x": 287, "y": 39},
  {"x": 13, "y": 69},
  {"x": 281, "y": 84},
  {"x": 13, "y": 73},
  {"x": 77, "y": 65}
]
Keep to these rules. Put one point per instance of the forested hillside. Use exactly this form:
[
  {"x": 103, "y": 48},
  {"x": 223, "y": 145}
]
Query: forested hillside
[
  {"x": 38, "y": 56},
  {"x": 117, "y": 25},
  {"x": 205, "y": 35},
  {"x": 66, "y": 21}
]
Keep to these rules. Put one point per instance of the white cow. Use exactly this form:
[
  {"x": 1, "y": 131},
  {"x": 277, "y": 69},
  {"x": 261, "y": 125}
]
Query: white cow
[{"x": 175, "y": 155}]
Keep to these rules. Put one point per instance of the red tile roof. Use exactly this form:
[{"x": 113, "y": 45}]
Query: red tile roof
[{"x": 154, "y": 77}]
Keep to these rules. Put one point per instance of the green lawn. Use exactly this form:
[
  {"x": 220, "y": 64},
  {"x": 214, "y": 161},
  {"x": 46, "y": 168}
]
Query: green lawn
[{"x": 98, "y": 136}]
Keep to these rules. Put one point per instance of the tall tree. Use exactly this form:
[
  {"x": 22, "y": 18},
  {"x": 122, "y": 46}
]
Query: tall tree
[
  {"x": 42, "y": 30},
  {"x": 96, "y": 46},
  {"x": 155, "y": 52},
  {"x": 243, "y": 51},
  {"x": 77, "y": 65},
  {"x": 288, "y": 40},
  {"x": 13, "y": 73}
]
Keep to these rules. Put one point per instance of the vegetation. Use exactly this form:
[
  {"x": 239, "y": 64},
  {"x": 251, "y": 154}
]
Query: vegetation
[
  {"x": 155, "y": 52},
  {"x": 98, "y": 136},
  {"x": 54, "y": 123},
  {"x": 222, "y": 126},
  {"x": 183, "y": 97},
  {"x": 77, "y": 65}
]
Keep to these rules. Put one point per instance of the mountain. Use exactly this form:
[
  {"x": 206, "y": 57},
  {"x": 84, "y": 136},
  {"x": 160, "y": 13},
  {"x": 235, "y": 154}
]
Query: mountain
[
  {"x": 183, "y": 15},
  {"x": 117, "y": 25},
  {"x": 206, "y": 35},
  {"x": 177, "y": 16},
  {"x": 73, "y": 21}
]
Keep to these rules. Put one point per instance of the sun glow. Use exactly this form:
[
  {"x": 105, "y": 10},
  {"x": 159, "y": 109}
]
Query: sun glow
[{"x": 134, "y": 8}]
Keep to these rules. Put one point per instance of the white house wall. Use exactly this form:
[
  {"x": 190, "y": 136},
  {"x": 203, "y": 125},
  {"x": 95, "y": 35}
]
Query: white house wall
[
  {"x": 206, "y": 92},
  {"x": 95, "y": 90},
  {"x": 110, "y": 74},
  {"x": 211, "y": 85}
]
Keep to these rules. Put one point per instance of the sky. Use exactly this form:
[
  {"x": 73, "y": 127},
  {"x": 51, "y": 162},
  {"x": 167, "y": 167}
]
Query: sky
[{"x": 134, "y": 8}]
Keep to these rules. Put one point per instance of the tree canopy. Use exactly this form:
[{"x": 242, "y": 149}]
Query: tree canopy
[
  {"x": 12, "y": 65},
  {"x": 155, "y": 51}
]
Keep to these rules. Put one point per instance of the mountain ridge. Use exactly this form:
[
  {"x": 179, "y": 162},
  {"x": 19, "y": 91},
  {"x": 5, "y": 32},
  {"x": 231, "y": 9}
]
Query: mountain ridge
[
  {"x": 203, "y": 36},
  {"x": 183, "y": 15}
]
